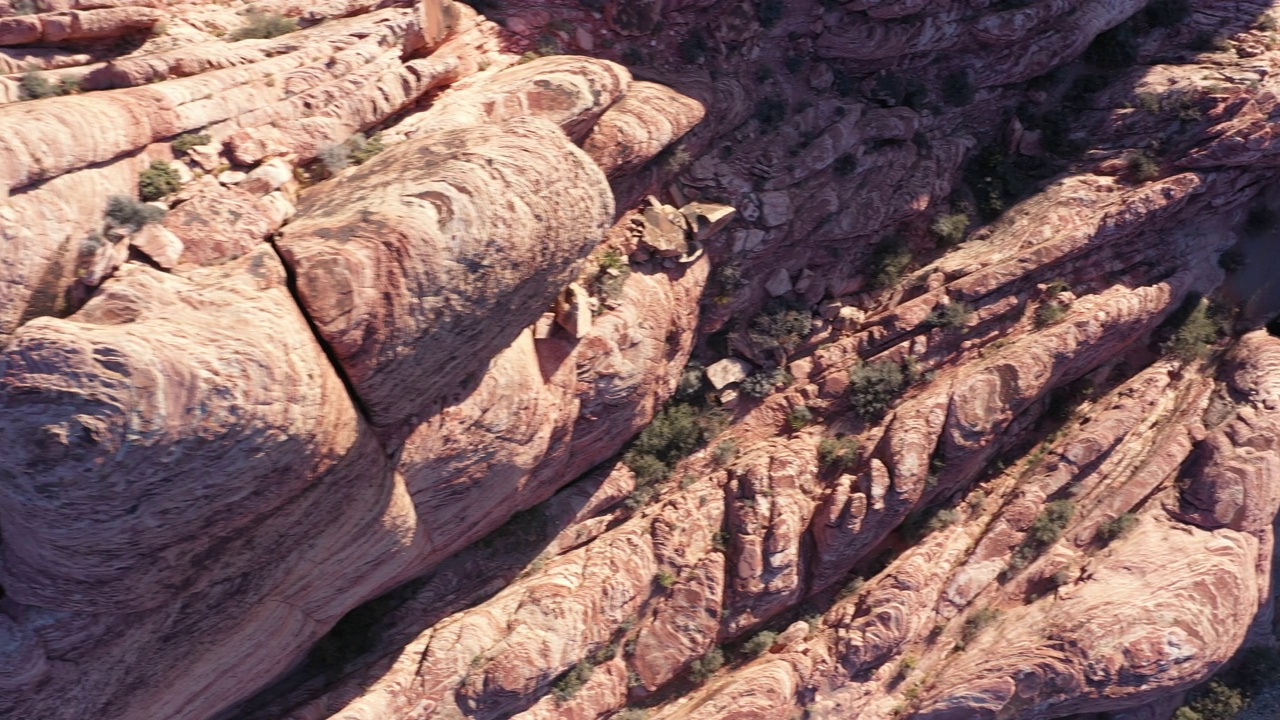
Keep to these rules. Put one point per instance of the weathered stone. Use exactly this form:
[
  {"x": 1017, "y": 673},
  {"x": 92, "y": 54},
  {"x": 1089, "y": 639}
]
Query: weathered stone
[
  {"x": 727, "y": 372},
  {"x": 707, "y": 219},
  {"x": 775, "y": 208},
  {"x": 218, "y": 224},
  {"x": 573, "y": 310},
  {"x": 158, "y": 243},
  {"x": 779, "y": 283},
  {"x": 407, "y": 291}
]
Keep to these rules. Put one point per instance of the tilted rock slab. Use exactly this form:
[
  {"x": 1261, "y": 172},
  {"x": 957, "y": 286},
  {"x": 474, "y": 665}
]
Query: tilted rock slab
[
  {"x": 426, "y": 261},
  {"x": 166, "y": 439}
]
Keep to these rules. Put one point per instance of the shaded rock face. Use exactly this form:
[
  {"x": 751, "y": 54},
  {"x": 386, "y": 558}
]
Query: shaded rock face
[{"x": 334, "y": 429}]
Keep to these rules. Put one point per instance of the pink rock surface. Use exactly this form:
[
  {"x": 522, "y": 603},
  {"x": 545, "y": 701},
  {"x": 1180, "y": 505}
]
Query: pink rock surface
[
  {"x": 422, "y": 287},
  {"x": 201, "y": 482},
  {"x": 639, "y": 126},
  {"x": 218, "y": 224}
]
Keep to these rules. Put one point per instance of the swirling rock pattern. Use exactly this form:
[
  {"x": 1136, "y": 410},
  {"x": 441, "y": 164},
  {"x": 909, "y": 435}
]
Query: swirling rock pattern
[
  {"x": 465, "y": 249},
  {"x": 153, "y": 480},
  {"x": 210, "y": 466}
]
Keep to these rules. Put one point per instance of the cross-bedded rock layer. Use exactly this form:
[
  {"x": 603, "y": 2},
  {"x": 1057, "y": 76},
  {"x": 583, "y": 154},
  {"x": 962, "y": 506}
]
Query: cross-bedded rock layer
[{"x": 309, "y": 385}]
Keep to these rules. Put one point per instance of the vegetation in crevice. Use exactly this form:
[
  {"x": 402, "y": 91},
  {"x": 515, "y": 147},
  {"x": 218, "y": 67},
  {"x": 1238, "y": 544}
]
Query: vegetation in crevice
[
  {"x": 260, "y": 25},
  {"x": 888, "y": 262},
  {"x": 158, "y": 180},
  {"x": 874, "y": 386},
  {"x": 780, "y": 327}
]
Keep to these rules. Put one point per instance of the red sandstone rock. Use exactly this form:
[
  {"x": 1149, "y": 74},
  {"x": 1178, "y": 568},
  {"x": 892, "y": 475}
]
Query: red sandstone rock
[
  {"x": 218, "y": 224},
  {"x": 192, "y": 497},
  {"x": 421, "y": 288}
]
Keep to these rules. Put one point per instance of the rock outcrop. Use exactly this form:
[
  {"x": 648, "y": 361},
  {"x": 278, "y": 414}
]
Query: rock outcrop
[
  {"x": 958, "y": 311},
  {"x": 464, "y": 250},
  {"x": 153, "y": 480}
]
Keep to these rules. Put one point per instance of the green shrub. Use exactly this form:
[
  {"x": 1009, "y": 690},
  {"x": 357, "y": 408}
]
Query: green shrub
[
  {"x": 260, "y": 26},
  {"x": 674, "y": 433},
  {"x": 1193, "y": 333},
  {"x": 186, "y": 141},
  {"x": 693, "y": 48},
  {"x": 34, "y": 86},
  {"x": 780, "y": 327},
  {"x": 335, "y": 158},
  {"x": 1217, "y": 702},
  {"x": 977, "y": 622},
  {"x": 770, "y": 112},
  {"x": 1143, "y": 166},
  {"x": 760, "y": 643},
  {"x": 158, "y": 180},
  {"x": 25, "y": 7},
  {"x": 690, "y": 385},
  {"x": 647, "y": 469},
  {"x": 707, "y": 665},
  {"x": 1050, "y": 312},
  {"x": 725, "y": 452},
  {"x": 852, "y": 587},
  {"x": 612, "y": 260},
  {"x": 676, "y": 158},
  {"x": 1117, "y": 528},
  {"x": 998, "y": 180},
  {"x": 665, "y": 578},
  {"x": 920, "y": 524},
  {"x": 873, "y": 387},
  {"x": 952, "y": 316},
  {"x": 355, "y": 150},
  {"x": 838, "y": 453},
  {"x": 889, "y": 262},
  {"x": 730, "y": 277},
  {"x": 1055, "y": 517},
  {"x": 762, "y": 383},
  {"x": 942, "y": 520},
  {"x": 363, "y": 148},
  {"x": 610, "y": 286},
  {"x": 800, "y": 417},
  {"x": 1233, "y": 260},
  {"x": 951, "y": 228},
  {"x": 569, "y": 685},
  {"x": 846, "y": 165},
  {"x": 125, "y": 212}
]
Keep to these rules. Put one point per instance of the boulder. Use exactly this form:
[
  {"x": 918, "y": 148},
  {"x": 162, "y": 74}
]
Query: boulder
[{"x": 727, "y": 372}]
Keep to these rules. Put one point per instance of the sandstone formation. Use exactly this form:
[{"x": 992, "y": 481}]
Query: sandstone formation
[
  {"x": 958, "y": 312},
  {"x": 464, "y": 250},
  {"x": 142, "y": 462}
]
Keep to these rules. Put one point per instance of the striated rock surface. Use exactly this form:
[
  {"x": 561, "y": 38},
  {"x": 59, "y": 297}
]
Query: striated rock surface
[
  {"x": 958, "y": 311},
  {"x": 154, "y": 481},
  {"x": 417, "y": 285}
]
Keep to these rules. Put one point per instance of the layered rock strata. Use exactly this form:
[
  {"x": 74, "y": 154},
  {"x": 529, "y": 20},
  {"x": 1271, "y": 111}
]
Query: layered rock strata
[{"x": 983, "y": 457}]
